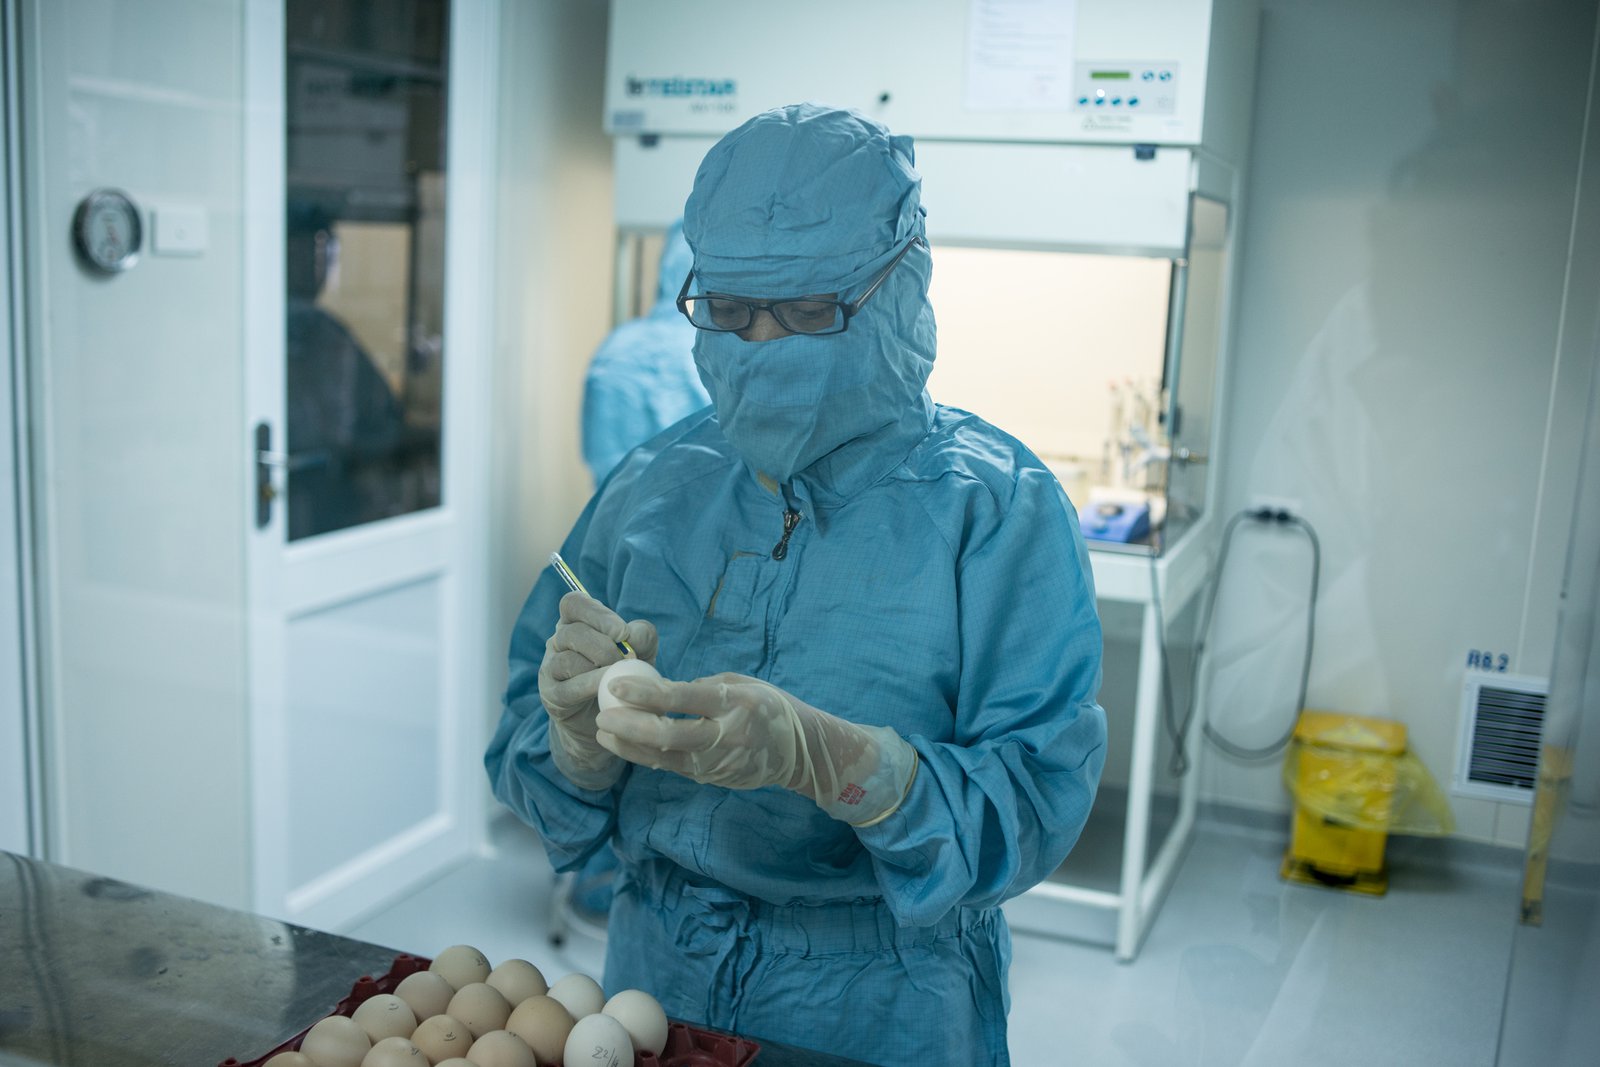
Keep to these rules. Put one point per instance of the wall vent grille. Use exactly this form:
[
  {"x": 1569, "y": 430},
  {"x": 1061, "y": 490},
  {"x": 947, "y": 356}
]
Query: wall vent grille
[{"x": 1502, "y": 720}]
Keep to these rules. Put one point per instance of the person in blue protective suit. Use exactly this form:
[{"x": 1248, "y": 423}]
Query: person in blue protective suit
[
  {"x": 642, "y": 378},
  {"x": 875, "y": 622}
]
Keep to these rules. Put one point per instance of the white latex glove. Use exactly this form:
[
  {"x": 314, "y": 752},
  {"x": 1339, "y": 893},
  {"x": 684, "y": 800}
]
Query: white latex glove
[
  {"x": 746, "y": 734},
  {"x": 583, "y": 645}
]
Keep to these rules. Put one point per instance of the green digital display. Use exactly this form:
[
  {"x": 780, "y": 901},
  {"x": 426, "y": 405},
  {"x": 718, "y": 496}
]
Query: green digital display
[{"x": 1110, "y": 75}]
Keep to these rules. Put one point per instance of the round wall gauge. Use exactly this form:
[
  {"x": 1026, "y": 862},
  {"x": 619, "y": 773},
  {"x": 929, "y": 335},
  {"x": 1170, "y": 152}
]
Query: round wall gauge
[{"x": 107, "y": 231}]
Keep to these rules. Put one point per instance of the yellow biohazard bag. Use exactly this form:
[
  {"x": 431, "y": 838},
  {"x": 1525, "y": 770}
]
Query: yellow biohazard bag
[{"x": 1354, "y": 782}]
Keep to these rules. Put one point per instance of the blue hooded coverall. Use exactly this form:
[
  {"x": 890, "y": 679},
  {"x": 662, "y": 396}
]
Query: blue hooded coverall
[{"x": 827, "y": 528}]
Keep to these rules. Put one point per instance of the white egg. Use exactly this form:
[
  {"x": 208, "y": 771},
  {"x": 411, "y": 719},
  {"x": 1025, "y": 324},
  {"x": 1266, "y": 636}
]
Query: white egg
[
  {"x": 336, "y": 1041},
  {"x": 442, "y": 1037},
  {"x": 641, "y": 1015},
  {"x": 598, "y": 1041},
  {"x": 385, "y": 1015},
  {"x": 501, "y": 1048},
  {"x": 426, "y": 993},
  {"x": 460, "y": 965},
  {"x": 579, "y": 994},
  {"x": 481, "y": 1006},
  {"x": 395, "y": 1052},
  {"x": 544, "y": 1024},
  {"x": 518, "y": 980},
  {"x": 627, "y": 668}
]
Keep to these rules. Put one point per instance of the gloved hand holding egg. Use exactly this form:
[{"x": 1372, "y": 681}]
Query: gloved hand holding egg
[
  {"x": 743, "y": 733},
  {"x": 584, "y": 644}
]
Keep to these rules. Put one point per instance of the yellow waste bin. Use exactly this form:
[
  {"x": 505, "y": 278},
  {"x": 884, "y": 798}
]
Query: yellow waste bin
[{"x": 1343, "y": 772}]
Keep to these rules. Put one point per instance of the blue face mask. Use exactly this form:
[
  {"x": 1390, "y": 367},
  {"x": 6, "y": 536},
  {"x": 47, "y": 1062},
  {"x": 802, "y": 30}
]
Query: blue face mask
[{"x": 786, "y": 403}]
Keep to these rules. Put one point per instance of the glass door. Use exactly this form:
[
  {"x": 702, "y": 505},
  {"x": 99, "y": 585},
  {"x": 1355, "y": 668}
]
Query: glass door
[
  {"x": 366, "y": 122},
  {"x": 1191, "y": 371},
  {"x": 366, "y": 345},
  {"x": 1554, "y": 980}
]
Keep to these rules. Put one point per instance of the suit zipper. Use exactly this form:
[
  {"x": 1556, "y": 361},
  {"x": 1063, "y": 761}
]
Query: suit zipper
[{"x": 791, "y": 519}]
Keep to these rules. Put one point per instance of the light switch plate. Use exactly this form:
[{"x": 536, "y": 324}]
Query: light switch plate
[{"x": 179, "y": 230}]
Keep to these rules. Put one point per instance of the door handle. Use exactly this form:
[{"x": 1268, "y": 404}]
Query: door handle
[{"x": 266, "y": 460}]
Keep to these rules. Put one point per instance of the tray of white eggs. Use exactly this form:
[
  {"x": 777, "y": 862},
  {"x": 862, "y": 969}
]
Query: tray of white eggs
[{"x": 455, "y": 1010}]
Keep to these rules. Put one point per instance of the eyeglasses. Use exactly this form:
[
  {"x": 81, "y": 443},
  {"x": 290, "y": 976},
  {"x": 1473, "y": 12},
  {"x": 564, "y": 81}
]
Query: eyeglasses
[{"x": 730, "y": 314}]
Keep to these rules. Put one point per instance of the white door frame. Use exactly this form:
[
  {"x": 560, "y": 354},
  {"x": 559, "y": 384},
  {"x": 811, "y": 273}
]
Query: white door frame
[
  {"x": 391, "y": 550},
  {"x": 21, "y": 798}
]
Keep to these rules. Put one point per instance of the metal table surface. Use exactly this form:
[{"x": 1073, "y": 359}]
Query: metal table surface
[{"x": 97, "y": 972}]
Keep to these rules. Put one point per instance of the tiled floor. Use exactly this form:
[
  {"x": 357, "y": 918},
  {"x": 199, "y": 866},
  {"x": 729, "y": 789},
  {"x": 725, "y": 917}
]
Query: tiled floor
[{"x": 1238, "y": 969}]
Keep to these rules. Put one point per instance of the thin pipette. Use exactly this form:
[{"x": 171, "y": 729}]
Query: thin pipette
[{"x": 568, "y": 576}]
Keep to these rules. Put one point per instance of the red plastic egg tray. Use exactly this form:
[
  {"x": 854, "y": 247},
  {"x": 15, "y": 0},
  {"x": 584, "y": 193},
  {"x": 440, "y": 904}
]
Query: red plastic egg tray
[{"x": 687, "y": 1046}]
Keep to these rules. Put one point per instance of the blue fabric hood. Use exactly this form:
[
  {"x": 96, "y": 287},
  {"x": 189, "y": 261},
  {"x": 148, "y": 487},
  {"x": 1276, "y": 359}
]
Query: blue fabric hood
[{"x": 804, "y": 200}]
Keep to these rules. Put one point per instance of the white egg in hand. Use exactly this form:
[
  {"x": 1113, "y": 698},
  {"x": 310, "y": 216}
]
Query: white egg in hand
[
  {"x": 640, "y": 1014},
  {"x": 627, "y": 668},
  {"x": 579, "y": 994},
  {"x": 598, "y": 1041}
]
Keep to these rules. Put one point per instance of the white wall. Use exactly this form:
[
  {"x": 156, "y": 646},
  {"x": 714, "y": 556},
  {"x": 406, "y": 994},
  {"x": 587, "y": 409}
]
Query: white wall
[
  {"x": 1396, "y": 368},
  {"x": 554, "y": 271},
  {"x": 137, "y": 393}
]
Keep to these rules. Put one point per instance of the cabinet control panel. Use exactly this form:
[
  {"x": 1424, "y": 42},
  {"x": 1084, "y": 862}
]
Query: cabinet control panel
[{"x": 1145, "y": 87}]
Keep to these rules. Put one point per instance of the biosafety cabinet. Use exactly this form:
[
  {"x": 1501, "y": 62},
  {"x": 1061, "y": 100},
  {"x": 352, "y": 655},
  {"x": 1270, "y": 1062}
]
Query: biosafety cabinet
[{"x": 1081, "y": 164}]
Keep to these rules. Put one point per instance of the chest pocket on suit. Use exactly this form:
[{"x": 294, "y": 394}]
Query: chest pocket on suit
[
  {"x": 734, "y": 598},
  {"x": 732, "y": 635}
]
